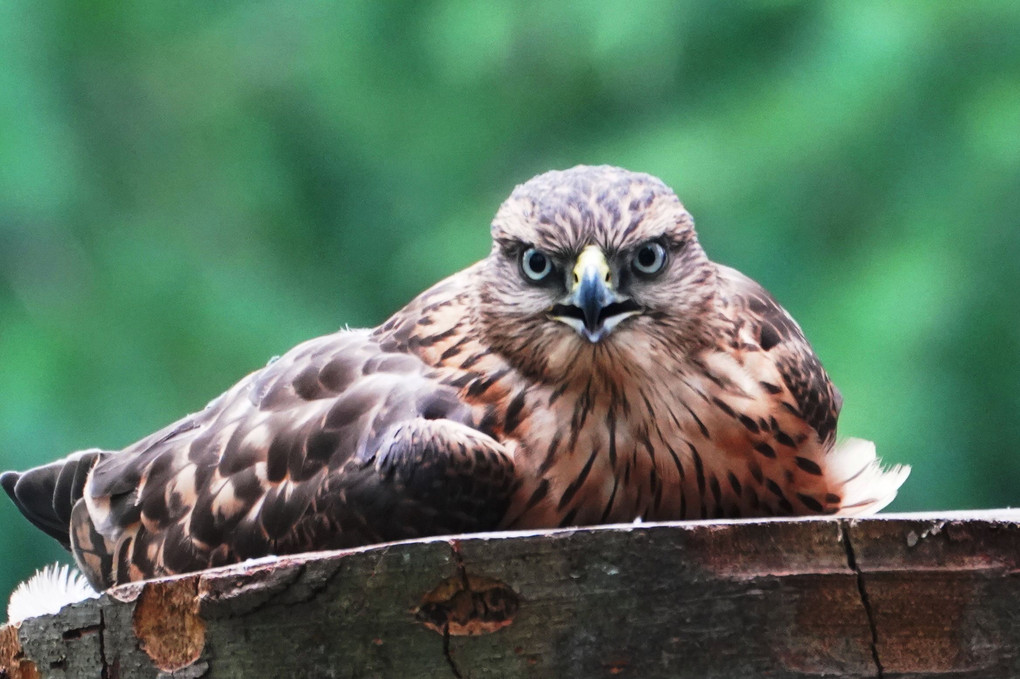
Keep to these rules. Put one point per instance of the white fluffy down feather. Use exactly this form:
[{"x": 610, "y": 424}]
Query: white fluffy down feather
[
  {"x": 46, "y": 592},
  {"x": 867, "y": 486}
]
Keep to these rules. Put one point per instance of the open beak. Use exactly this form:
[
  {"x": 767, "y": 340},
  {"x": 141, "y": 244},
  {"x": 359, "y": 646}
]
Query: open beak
[{"x": 593, "y": 307}]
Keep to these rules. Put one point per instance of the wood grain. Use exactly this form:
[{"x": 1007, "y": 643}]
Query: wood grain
[{"x": 914, "y": 595}]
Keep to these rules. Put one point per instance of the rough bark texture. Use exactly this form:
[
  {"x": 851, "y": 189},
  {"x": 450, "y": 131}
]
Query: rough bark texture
[{"x": 894, "y": 596}]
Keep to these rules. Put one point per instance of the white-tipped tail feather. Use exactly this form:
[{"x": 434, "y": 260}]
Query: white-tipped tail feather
[
  {"x": 46, "y": 592},
  {"x": 867, "y": 486}
]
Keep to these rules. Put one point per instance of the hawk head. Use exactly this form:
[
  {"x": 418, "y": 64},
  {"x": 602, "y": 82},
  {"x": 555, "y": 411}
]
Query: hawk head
[{"x": 593, "y": 264}]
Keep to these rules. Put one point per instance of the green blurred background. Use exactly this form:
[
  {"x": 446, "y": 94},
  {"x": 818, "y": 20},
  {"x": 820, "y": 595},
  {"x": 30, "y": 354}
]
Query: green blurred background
[{"x": 187, "y": 189}]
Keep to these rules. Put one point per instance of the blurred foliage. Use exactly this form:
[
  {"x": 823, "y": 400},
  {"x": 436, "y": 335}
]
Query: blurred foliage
[{"x": 189, "y": 188}]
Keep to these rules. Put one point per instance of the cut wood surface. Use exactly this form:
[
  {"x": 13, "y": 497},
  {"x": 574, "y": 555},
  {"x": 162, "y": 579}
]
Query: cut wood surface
[{"x": 910, "y": 595}]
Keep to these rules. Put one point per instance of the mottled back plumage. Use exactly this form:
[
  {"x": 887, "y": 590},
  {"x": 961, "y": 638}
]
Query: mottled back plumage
[{"x": 595, "y": 367}]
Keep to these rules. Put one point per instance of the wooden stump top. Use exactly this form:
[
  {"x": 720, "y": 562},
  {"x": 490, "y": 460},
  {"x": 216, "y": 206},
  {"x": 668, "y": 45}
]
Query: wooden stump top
[{"x": 907, "y": 595}]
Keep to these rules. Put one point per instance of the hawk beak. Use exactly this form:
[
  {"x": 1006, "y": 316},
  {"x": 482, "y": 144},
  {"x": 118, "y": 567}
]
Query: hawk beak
[{"x": 593, "y": 307}]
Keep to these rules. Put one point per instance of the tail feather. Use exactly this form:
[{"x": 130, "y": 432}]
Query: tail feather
[
  {"x": 32, "y": 493},
  {"x": 47, "y": 494},
  {"x": 867, "y": 485}
]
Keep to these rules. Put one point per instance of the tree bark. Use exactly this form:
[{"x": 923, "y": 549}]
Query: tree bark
[{"x": 914, "y": 595}]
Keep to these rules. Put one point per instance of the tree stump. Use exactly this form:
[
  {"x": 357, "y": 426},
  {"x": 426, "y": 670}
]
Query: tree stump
[{"x": 911, "y": 595}]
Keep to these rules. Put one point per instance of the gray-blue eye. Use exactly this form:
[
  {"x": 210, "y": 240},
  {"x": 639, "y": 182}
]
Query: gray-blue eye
[
  {"x": 650, "y": 259},
  {"x": 535, "y": 264}
]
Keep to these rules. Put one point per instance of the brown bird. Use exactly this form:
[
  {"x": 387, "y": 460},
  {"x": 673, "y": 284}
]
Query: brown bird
[{"x": 596, "y": 367}]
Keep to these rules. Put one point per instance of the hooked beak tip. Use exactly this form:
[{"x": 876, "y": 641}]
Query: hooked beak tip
[
  {"x": 593, "y": 307},
  {"x": 591, "y": 296}
]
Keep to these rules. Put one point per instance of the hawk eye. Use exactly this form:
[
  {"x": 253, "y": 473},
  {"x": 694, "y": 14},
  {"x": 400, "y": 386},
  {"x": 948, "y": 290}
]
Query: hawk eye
[
  {"x": 536, "y": 265},
  {"x": 650, "y": 259}
]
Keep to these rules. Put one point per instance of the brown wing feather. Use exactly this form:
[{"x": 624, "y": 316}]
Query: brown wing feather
[
  {"x": 815, "y": 398},
  {"x": 337, "y": 443},
  {"x": 426, "y": 477}
]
